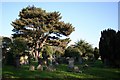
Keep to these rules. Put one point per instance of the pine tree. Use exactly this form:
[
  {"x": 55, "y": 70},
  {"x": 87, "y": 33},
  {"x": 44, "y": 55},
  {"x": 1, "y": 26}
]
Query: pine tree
[{"x": 40, "y": 28}]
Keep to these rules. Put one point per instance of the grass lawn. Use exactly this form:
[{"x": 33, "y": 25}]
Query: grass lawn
[{"x": 96, "y": 71}]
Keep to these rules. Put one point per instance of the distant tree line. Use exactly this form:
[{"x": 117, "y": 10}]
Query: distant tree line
[{"x": 109, "y": 47}]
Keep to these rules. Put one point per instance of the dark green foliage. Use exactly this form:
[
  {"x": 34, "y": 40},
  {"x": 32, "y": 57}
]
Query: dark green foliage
[
  {"x": 6, "y": 42},
  {"x": 6, "y": 46},
  {"x": 10, "y": 58},
  {"x": 19, "y": 46},
  {"x": 96, "y": 53},
  {"x": 85, "y": 48},
  {"x": 72, "y": 52},
  {"x": 109, "y": 47}
]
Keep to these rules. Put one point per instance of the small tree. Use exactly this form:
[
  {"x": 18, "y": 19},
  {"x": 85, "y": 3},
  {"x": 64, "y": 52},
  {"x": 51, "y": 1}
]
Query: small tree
[
  {"x": 72, "y": 52},
  {"x": 85, "y": 48},
  {"x": 18, "y": 48},
  {"x": 6, "y": 46}
]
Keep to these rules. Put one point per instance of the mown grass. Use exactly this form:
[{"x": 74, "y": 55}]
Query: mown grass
[{"x": 96, "y": 70}]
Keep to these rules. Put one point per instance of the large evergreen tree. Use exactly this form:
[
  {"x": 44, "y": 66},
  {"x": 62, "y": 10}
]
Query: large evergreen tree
[
  {"x": 109, "y": 47},
  {"x": 40, "y": 28}
]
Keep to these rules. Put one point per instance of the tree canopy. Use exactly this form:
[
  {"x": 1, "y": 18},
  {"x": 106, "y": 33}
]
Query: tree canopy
[
  {"x": 40, "y": 28},
  {"x": 84, "y": 47}
]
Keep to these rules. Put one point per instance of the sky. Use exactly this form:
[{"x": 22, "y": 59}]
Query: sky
[{"x": 88, "y": 18}]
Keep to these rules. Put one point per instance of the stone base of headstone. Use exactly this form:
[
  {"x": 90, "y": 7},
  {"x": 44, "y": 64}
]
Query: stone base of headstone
[{"x": 71, "y": 64}]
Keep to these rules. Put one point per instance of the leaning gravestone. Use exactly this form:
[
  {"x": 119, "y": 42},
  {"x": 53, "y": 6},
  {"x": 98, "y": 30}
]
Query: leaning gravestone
[
  {"x": 40, "y": 67},
  {"x": 71, "y": 63}
]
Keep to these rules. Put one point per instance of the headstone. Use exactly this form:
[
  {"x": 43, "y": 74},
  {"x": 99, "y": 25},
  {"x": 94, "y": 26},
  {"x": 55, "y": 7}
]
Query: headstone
[
  {"x": 76, "y": 69},
  {"x": 39, "y": 67},
  {"x": 71, "y": 63},
  {"x": 32, "y": 68}
]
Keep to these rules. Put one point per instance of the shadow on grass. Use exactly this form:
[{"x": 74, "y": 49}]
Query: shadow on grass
[{"x": 95, "y": 71}]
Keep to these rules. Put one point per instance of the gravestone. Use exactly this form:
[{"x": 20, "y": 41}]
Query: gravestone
[
  {"x": 71, "y": 63},
  {"x": 77, "y": 70},
  {"x": 32, "y": 68},
  {"x": 39, "y": 67}
]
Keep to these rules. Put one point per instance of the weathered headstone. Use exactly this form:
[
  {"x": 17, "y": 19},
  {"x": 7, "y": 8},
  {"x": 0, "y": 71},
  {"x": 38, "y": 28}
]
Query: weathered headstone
[
  {"x": 71, "y": 63},
  {"x": 77, "y": 70},
  {"x": 39, "y": 67},
  {"x": 32, "y": 68}
]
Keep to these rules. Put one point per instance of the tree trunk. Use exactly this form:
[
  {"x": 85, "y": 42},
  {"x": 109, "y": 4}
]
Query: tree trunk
[
  {"x": 17, "y": 62},
  {"x": 40, "y": 46}
]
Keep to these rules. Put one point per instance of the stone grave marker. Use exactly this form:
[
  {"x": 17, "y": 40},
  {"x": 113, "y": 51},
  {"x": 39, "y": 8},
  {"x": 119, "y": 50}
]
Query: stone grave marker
[
  {"x": 71, "y": 63},
  {"x": 32, "y": 68},
  {"x": 39, "y": 67}
]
